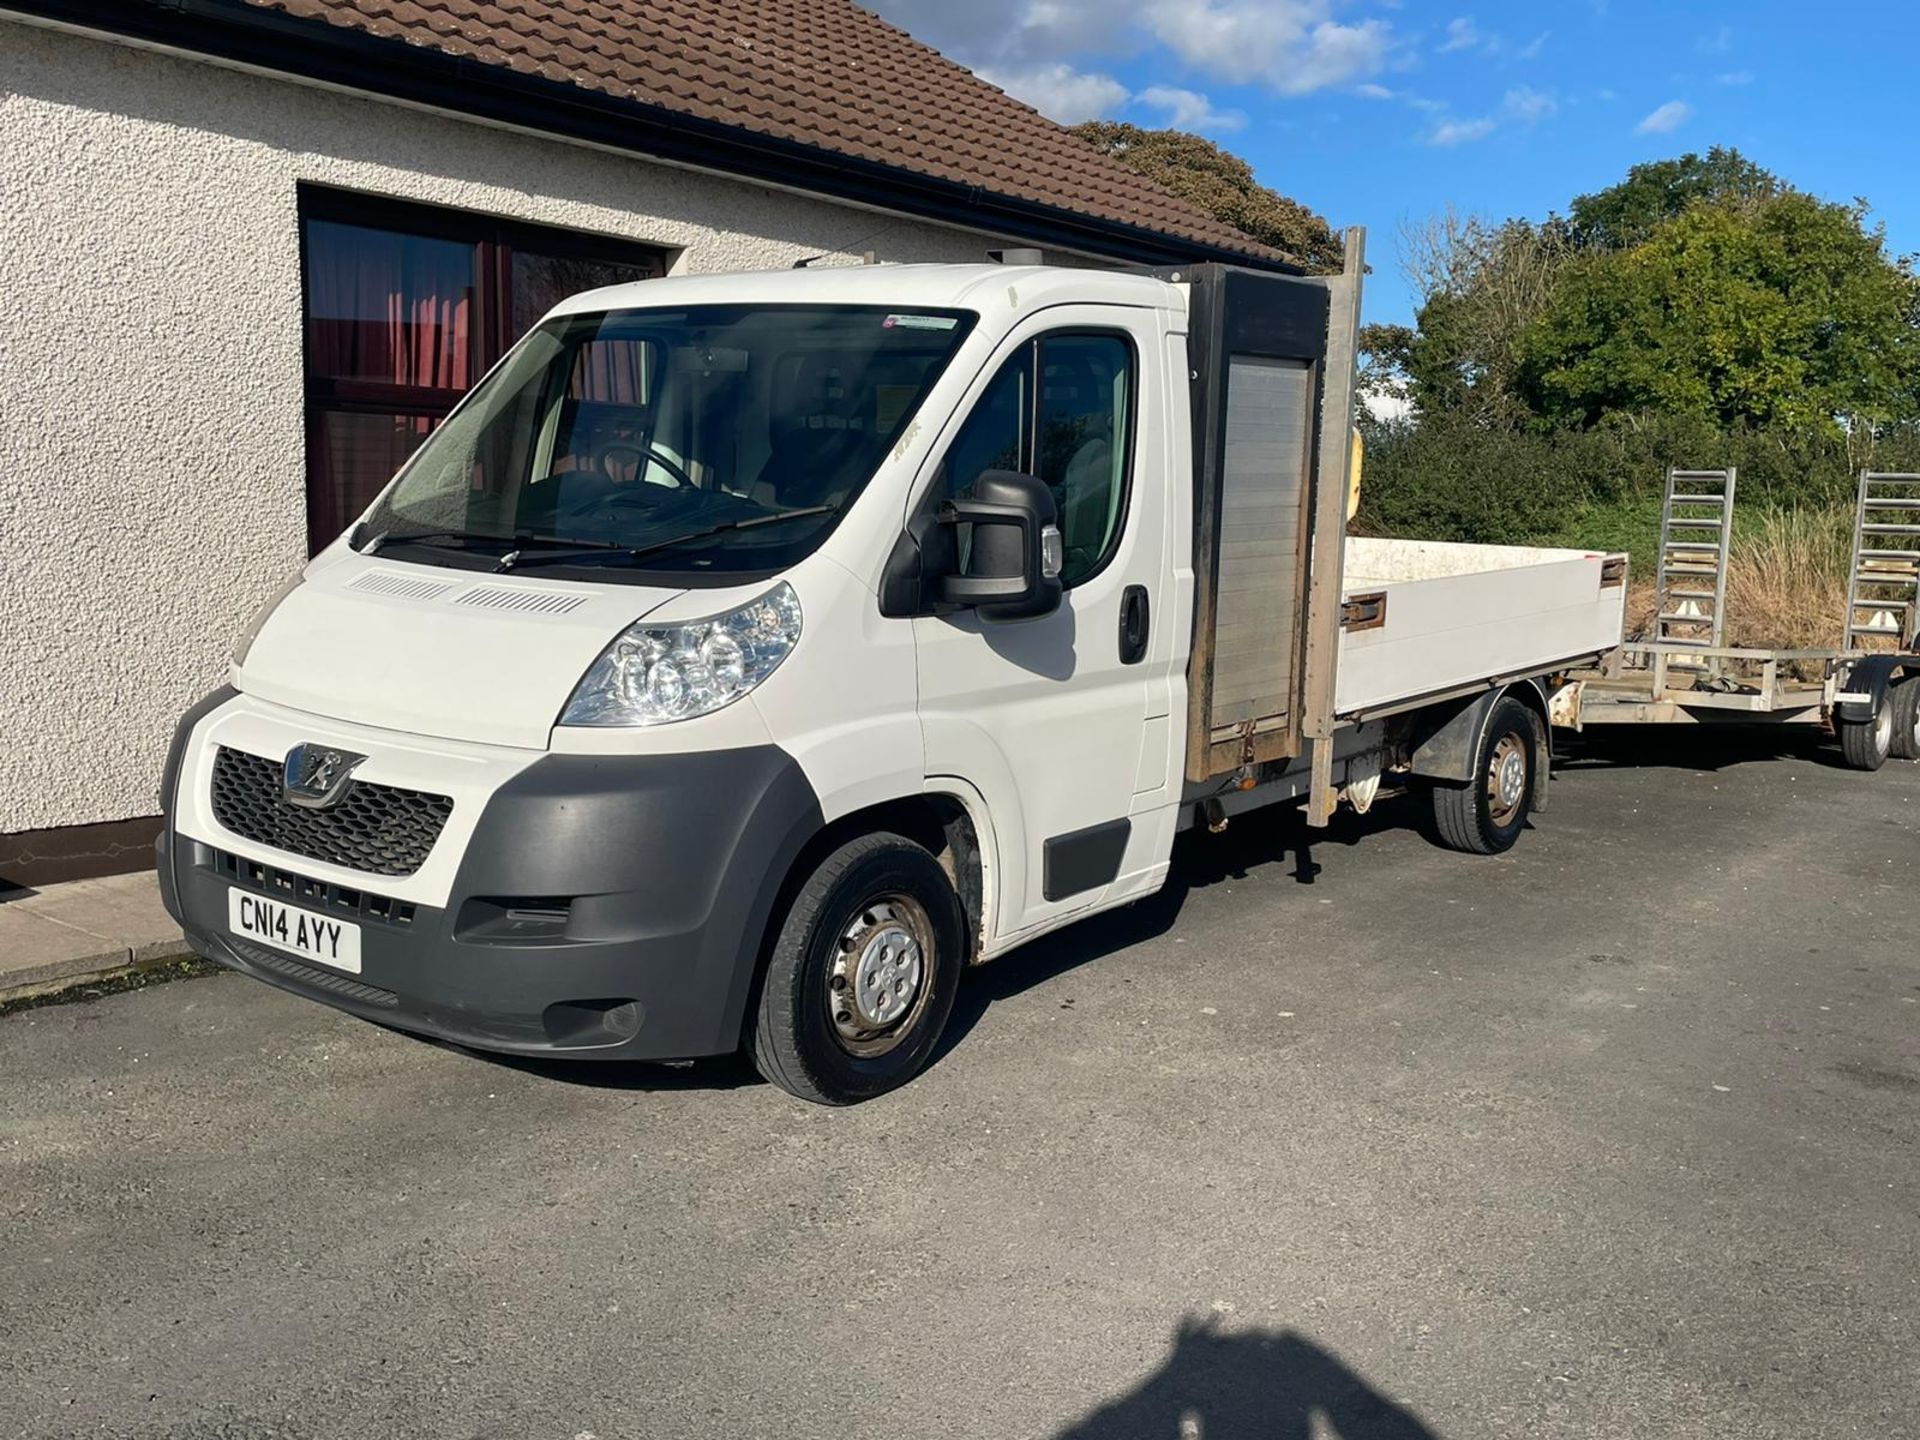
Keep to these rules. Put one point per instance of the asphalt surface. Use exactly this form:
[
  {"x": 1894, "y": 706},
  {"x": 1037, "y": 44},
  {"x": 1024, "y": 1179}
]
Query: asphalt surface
[{"x": 1613, "y": 1136}]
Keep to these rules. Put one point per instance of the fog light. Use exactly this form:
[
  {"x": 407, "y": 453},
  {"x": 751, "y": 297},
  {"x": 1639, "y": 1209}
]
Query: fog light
[{"x": 586, "y": 1024}]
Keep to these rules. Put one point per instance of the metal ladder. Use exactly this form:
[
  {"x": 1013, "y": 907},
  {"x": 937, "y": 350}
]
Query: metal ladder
[
  {"x": 1883, "y": 585},
  {"x": 1696, "y": 533}
]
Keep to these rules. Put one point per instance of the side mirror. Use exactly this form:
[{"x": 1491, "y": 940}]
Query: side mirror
[{"x": 1013, "y": 565}]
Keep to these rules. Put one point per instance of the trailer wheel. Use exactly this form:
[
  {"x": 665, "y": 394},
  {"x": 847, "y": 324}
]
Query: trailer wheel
[
  {"x": 1486, "y": 814},
  {"x": 863, "y": 974},
  {"x": 1905, "y": 704},
  {"x": 1866, "y": 744}
]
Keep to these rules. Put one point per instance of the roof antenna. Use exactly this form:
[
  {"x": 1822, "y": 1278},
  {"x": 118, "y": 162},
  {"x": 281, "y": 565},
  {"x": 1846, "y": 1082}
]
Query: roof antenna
[{"x": 865, "y": 259}]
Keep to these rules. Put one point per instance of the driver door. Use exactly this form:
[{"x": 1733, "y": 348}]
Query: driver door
[{"x": 1063, "y": 723}]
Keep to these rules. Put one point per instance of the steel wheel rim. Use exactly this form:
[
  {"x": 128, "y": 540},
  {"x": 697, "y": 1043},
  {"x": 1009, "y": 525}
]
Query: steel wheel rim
[
  {"x": 1507, "y": 779},
  {"x": 881, "y": 976}
]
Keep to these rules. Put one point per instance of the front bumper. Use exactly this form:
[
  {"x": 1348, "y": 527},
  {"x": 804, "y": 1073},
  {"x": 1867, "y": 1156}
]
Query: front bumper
[{"x": 605, "y": 907}]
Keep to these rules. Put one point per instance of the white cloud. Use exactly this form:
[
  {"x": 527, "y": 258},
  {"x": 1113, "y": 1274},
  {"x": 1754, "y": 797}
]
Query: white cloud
[
  {"x": 1529, "y": 106},
  {"x": 1668, "y": 118},
  {"x": 1293, "y": 47},
  {"x": 1061, "y": 92},
  {"x": 1461, "y": 132},
  {"x": 1388, "y": 409},
  {"x": 1189, "y": 109},
  {"x": 1735, "y": 77},
  {"x": 1371, "y": 91},
  {"x": 1531, "y": 50},
  {"x": 1462, "y": 34}
]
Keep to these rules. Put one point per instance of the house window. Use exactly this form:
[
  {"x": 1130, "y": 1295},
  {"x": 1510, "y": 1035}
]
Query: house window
[{"x": 408, "y": 305}]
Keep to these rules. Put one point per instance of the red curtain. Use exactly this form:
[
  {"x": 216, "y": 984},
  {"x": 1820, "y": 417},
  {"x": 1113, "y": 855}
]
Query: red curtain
[{"x": 394, "y": 309}]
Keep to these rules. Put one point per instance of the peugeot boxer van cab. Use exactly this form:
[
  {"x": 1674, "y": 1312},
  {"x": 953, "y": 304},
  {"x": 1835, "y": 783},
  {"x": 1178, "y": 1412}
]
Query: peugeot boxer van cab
[{"x": 748, "y": 654}]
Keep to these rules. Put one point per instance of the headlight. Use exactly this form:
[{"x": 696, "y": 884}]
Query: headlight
[
  {"x": 260, "y": 616},
  {"x": 653, "y": 674}
]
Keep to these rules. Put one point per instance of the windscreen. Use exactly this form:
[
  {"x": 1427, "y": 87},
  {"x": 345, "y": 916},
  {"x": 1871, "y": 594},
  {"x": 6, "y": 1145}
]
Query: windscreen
[{"x": 722, "y": 438}]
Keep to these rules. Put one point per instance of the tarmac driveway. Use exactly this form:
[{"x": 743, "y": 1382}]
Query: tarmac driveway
[{"x": 1613, "y": 1136}]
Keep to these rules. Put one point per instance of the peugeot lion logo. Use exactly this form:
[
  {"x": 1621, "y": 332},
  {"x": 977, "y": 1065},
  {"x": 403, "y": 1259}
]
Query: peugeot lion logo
[{"x": 316, "y": 776}]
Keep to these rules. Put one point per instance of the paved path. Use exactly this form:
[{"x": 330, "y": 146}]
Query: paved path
[
  {"x": 62, "y": 935},
  {"x": 1615, "y": 1136}
]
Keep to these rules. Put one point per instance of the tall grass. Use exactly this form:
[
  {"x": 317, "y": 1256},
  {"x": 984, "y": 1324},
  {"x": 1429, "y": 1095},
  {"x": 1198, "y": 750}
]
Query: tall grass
[{"x": 1787, "y": 579}]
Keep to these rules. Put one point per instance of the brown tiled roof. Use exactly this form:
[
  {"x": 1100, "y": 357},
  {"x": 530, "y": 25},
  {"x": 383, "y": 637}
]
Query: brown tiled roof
[{"x": 822, "y": 73}]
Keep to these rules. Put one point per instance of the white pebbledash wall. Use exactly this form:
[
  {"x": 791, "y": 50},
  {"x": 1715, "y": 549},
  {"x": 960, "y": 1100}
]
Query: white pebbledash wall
[{"x": 152, "y": 467}]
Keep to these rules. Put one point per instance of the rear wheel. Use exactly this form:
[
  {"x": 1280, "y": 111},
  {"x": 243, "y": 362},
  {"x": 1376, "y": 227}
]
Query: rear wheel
[
  {"x": 1486, "y": 815},
  {"x": 1905, "y": 705},
  {"x": 1866, "y": 744},
  {"x": 863, "y": 974}
]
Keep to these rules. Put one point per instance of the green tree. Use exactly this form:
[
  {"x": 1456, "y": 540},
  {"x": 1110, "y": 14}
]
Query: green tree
[
  {"x": 1222, "y": 185},
  {"x": 1485, "y": 286},
  {"x": 1628, "y": 213},
  {"x": 1780, "y": 309}
]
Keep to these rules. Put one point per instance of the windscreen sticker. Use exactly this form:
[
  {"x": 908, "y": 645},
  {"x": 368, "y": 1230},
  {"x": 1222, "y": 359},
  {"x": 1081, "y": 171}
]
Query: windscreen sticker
[{"x": 920, "y": 322}]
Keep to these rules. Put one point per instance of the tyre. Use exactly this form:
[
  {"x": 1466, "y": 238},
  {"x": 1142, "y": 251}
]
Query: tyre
[
  {"x": 863, "y": 974},
  {"x": 1486, "y": 815},
  {"x": 1866, "y": 744},
  {"x": 1906, "y": 719}
]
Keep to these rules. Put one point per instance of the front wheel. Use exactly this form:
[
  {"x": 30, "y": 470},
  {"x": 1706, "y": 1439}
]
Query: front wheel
[
  {"x": 1486, "y": 815},
  {"x": 863, "y": 974}
]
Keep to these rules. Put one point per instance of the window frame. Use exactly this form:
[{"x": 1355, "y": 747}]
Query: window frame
[
  {"x": 1035, "y": 347},
  {"x": 493, "y": 241}
]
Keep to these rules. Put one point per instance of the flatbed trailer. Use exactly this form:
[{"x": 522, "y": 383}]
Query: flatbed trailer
[{"x": 1865, "y": 690}]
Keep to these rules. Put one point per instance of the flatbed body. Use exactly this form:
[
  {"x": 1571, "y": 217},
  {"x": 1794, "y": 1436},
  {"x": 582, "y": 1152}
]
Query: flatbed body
[{"x": 1427, "y": 617}]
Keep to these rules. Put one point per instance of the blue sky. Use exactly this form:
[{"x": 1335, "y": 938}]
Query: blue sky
[{"x": 1383, "y": 112}]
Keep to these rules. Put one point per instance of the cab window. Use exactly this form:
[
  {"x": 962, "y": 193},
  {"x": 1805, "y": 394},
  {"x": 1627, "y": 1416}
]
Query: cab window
[{"x": 1062, "y": 410}]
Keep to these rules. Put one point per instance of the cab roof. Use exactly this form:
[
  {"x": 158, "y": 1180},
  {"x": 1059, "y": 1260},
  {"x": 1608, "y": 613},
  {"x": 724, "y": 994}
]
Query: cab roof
[{"x": 930, "y": 287}]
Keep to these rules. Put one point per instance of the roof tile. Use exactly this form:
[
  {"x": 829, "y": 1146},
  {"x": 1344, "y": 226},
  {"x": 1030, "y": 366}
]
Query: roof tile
[{"x": 824, "y": 73}]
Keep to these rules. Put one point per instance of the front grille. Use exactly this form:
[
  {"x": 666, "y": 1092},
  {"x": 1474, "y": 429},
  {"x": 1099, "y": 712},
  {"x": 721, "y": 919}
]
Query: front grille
[
  {"x": 377, "y": 829},
  {"x": 363, "y": 905}
]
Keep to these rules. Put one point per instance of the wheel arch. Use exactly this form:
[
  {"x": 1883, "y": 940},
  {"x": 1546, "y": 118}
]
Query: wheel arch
[
  {"x": 1446, "y": 737},
  {"x": 1871, "y": 678},
  {"x": 941, "y": 822}
]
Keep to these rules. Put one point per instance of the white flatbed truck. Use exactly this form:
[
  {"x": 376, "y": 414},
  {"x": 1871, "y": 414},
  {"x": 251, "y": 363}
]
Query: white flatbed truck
[{"x": 748, "y": 654}]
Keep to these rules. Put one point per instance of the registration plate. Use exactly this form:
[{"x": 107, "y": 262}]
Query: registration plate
[{"x": 299, "y": 932}]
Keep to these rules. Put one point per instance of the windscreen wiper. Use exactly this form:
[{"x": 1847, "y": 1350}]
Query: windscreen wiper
[
  {"x": 518, "y": 561},
  {"x": 375, "y": 543}
]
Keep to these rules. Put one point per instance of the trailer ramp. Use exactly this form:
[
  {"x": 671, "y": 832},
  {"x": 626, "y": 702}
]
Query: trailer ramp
[
  {"x": 1883, "y": 585},
  {"x": 1696, "y": 534}
]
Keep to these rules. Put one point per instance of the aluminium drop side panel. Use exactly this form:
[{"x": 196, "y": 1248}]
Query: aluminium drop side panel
[
  {"x": 1460, "y": 614},
  {"x": 1256, "y": 346}
]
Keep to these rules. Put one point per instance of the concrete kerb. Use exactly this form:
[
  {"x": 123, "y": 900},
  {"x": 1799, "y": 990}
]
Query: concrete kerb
[{"x": 83, "y": 933}]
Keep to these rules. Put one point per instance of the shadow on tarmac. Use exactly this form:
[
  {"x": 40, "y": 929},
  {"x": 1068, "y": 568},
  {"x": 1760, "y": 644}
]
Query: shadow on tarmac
[
  {"x": 1248, "y": 1385},
  {"x": 1250, "y": 845},
  {"x": 1708, "y": 748}
]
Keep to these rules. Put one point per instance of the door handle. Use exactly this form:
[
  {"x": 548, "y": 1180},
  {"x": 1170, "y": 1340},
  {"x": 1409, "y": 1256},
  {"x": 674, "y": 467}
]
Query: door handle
[{"x": 1135, "y": 623}]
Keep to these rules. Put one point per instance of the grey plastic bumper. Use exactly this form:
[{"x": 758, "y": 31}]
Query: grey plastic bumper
[{"x": 607, "y": 908}]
